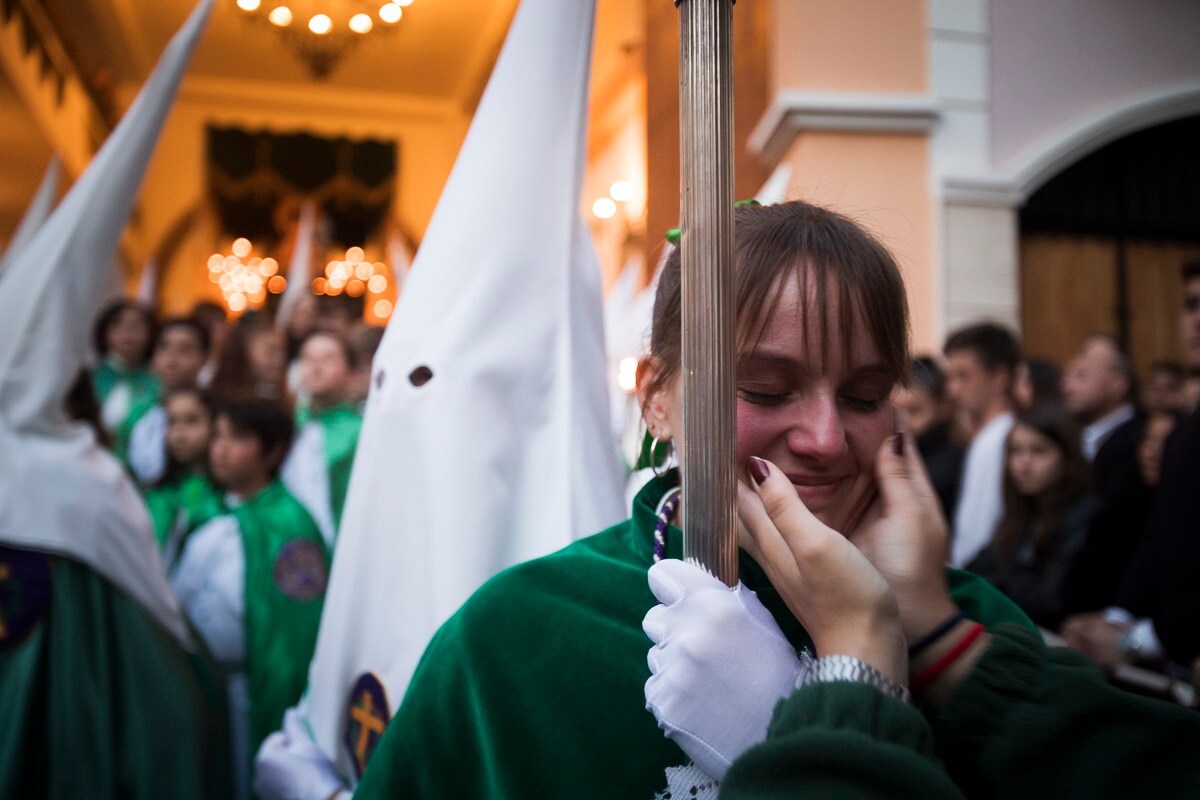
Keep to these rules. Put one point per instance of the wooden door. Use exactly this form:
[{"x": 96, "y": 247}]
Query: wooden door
[{"x": 1068, "y": 292}]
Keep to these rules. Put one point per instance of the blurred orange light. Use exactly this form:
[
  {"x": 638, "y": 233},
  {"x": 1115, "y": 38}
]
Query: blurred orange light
[{"x": 276, "y": 284}]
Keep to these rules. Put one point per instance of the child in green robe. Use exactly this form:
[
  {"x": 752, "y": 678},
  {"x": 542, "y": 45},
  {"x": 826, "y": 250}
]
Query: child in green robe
[
  {"x": 185, "y": 498},
  {"x": 317, "y": 470},
  {"x": 180, "y": 350},
  {"x": 121, "y": 378},
  {"x": 253, "y": 580}
]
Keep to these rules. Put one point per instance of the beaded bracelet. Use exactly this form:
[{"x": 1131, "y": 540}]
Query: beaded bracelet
[
  {"x": 919, "y": 646},
  {"x": 939, "y": 666}
]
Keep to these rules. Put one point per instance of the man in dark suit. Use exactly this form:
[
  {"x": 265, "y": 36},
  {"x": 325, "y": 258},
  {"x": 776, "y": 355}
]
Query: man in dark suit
[
  {"x": 1098, "y": 389},
  {"x": 1157, "y": 615}
]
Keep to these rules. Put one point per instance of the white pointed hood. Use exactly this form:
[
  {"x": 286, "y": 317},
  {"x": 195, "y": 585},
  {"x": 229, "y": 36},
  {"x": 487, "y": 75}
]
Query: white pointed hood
[
  {"x": 400, "y": 256},
  {"x": 60, "y": 491},
  {"x": 35, "y": 215},
  {"x": 147, "y": 290},
  {"x": 299, "y": 275},
  {"x": 504, "y": 454}
]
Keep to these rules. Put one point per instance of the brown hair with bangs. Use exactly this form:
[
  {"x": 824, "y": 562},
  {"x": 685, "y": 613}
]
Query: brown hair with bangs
[{"x": 822, "y": 249}]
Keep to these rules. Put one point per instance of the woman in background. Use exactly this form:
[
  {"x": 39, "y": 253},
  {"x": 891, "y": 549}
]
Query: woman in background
[
  {"x": 253, "y": 362},
  {"x": 1047, "y": 510}
]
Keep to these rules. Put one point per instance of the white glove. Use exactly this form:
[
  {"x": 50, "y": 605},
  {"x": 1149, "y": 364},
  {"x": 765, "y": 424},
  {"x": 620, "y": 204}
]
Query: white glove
[
  {"x": 719, "y": 665},
  {"x": 290, "y": 766}
]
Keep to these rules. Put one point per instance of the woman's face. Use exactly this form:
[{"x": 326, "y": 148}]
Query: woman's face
[
  {"x": 189, "y": 429},
  {"x": 1035, "y": 462},
  {"x": 820, "y": 423},
  {"x": 267, "y": 354}
]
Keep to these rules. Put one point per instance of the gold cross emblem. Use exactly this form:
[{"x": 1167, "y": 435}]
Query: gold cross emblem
[{"x": 364, "y": 714}]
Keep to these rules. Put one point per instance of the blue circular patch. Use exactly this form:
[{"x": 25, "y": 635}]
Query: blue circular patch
[
  {"x": 299, "y": 570},
  {"x": 24, "y": 593},
  {"x": 367, "y": 716}
]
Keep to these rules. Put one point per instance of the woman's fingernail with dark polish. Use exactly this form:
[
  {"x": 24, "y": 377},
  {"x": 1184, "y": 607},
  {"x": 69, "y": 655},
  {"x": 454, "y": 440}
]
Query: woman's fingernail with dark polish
[
  {"x": 898, "y": 445},
  {"x": 759, "y": 470}
]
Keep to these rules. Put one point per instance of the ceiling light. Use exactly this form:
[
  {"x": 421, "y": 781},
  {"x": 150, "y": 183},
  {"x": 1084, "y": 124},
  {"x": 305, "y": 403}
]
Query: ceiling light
[
  {"x": 391, "y": 13},
  {"x": 280, "y": 16},
  {"x": 361, "y": 23},
  {"x": 320, "y": 24}
]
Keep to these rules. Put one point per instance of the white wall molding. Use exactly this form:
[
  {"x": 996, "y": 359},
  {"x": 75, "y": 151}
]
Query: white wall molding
[
  {"x": 1068, "y": 143},
  {"x": 794, "y": 111}
]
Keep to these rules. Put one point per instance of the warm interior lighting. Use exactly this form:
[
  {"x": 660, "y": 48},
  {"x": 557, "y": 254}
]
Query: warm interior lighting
[
  {"x": 391, "y": 13},
  {"x": 355, "y": 255},
  {"x": 621, "y": 191},
  {"x": 604, "y": 208},
  {"x": 405, "y": 3},
  {"x": 361, "y": 23},
  {"x": 377, "y": 284},
  {"x": 242, "y": 247},
  {"x": 320, "y": 24},
  {"x": 627, "y": 374},
  {"x": 382, "y": 308},
  {"x": 280, "y": 16},
  {"x": 249, "y": 5},
  {"x": 276, "y": 284}
]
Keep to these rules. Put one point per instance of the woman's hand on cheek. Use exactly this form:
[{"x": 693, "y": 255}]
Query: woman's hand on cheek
[
  {"x": 905, "y": 537},
  {"x": 843, "y": 602}
]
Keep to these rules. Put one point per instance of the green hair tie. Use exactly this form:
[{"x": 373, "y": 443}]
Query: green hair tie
[{"x": 675, "y": 234}]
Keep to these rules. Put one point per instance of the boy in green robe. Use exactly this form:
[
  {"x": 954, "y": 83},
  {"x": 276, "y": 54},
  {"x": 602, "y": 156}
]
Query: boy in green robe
[
  {"x": 253, "y": 580},
  {"x": 185, "y": 498},
  {"x": 317, "y": 470}
]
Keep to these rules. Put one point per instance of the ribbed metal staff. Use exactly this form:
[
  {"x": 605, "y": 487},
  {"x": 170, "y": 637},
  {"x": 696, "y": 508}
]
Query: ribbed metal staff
[{"x": 706, "y": 193}]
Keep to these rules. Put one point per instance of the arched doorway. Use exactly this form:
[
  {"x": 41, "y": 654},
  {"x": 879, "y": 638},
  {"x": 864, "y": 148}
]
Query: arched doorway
[{"x": 1102, "y": 242}]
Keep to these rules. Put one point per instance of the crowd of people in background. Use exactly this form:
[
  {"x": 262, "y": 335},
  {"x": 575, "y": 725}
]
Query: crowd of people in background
[
  {"x": 1073, "y": 490},
  {"x": 241, "y": 436}
]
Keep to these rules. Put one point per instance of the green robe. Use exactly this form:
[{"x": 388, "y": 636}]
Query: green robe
[
  {"x": 287, "y": 567},
  {"x": 140, "y": 407},
  {"x": 181, "y": 506},
  {"x": 106, "y": 375},
  {"x": 1027, "y": 722},
  {"x": 535, "y": 688},
  {"x": 340, "y": 426},
  {"x": 97, "y": 701}
]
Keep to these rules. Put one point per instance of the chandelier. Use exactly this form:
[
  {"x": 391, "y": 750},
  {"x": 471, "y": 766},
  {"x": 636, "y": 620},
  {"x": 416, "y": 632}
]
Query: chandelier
[{"x": 323, "y": 32}]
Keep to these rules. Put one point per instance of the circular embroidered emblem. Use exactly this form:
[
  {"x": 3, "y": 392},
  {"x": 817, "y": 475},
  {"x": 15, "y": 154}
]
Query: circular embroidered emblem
[
  {"x": 367, "y": 716},
  {"x": 24, "y": 593},
  {"x": 300, "y": 570}
]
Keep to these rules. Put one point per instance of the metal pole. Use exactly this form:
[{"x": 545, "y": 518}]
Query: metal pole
[{"x": 706, "y": 195}]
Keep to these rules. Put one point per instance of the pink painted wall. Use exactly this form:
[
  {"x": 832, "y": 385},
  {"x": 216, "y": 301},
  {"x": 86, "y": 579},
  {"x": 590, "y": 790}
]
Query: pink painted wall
[
  {"x": 1053, "y": 62},
  {"x": 849, "y": 45}
]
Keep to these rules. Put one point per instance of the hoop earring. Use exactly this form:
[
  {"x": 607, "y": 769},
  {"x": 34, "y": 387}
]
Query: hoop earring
[{"x": 654, "y": 461}]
